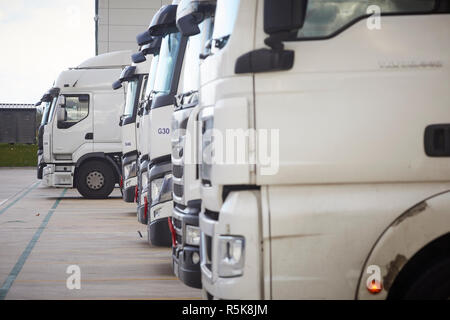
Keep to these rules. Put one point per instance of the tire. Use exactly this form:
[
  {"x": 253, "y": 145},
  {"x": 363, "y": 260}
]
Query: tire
[
  {"x": 433, "y": 284},
  {"x": 95, "y": 180}
]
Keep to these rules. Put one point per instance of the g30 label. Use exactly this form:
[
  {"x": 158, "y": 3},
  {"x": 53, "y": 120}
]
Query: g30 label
[{"x": 163, "y": 130}]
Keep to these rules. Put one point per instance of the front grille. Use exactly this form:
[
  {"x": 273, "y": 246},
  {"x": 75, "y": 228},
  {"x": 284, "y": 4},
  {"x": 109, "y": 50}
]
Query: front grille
[
  {"x": 179, "y": 238},
  {"x": 178, "y": 190},
  {"x": 176, "y": 223},
  {"x": 177, "y": 171}
]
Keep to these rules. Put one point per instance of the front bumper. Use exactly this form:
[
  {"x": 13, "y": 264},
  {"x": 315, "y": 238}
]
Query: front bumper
[
  {"x": 142, "y": 208},
  {"x": 129, "y": 189},
  {"x": 58, "y": 179},
  {"x": 40, "y": 165},
  {"x": 239, "y": 215},
  {"x": 182, "y": 254}
]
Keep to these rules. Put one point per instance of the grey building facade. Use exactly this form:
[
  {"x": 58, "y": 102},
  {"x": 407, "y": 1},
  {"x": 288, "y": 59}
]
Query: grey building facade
[
  {"x": 17, "y": 123},
  {"x": 119, "y": 21}
]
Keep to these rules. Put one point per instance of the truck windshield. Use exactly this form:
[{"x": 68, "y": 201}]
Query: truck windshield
[
  {"x": 226, "y": 13},
  {"x": 151, "y": 75},
  {"x": 131, "y": 97},
  {"x": 45, "y": 113},
  {"x": 170, "y": 46}
]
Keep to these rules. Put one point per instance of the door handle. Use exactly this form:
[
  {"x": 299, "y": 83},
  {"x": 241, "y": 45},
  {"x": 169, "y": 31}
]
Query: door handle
[
  {"x": 89, "y": 136},
  {"x": 437, "y": 140}
]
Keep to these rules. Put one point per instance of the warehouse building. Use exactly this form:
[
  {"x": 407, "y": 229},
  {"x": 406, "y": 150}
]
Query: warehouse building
[
  {"x": 118, "y": 22},
  {"x": 17, "y": 123}
]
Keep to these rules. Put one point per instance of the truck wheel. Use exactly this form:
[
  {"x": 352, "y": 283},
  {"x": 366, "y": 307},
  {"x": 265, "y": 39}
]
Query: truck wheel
[
  {"x": 95, "y": 180},
  {"x": 433, "y": 284}
]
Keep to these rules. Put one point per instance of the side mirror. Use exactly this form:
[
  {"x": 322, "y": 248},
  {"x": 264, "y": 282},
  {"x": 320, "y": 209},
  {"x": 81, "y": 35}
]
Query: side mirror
[
  {"x": 143, "y": 38},
  {"x": 61, "y": 101},
  {"x": 284, "y": 16},
  {"x": 164, "y": 21},
  {"x": 116, "y": 85},
  {"x": 191, "y": 13},
  {"x": 61, "y": 114},
  {"x": 138, "y": 57},
  {"x": 281, "y": 19}
]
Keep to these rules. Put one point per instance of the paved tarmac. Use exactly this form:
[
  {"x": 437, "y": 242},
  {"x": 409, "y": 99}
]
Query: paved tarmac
[{"x": 47, "y": 235}]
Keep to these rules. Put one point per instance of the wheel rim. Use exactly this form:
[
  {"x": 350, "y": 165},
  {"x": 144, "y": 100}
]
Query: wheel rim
[{"x": 95, "y": 180}]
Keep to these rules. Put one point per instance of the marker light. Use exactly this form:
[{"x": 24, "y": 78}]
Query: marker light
[{"x": 375, "y": 287}]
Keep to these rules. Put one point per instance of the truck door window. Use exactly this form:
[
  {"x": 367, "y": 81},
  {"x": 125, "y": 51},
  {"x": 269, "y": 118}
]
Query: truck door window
[
  {"x": 131, "y": 97},
  {"x": 326, "y": 18},
  {"x": 77, "y": 109}
]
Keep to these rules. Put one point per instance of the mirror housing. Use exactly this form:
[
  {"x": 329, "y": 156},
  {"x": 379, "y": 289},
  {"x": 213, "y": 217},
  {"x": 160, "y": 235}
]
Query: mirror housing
[
  {"x": 61, "y": 114},
  {"x": 190, "y": 13},
  {"x": 61, "y": 101},
  {"x": 117, "y": 85},
  {"x": 143, "y": 38},
  {"x": 153, "y": 47},
  {"x": 127, "y": 73},
  {"x": 164, "y": 21},
  {"x": 138, "y": 57},
  {"x": 282, "y": 18}
]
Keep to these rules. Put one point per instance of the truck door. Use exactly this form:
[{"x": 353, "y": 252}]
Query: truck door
[{"x": 76, "y": 127}]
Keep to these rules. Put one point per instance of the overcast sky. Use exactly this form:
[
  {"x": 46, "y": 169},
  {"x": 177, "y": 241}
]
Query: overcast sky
[{"x": 39, "y": 39}]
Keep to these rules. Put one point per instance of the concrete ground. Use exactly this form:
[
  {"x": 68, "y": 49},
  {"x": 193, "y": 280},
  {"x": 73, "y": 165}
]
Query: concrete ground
[{"x": 44, "y": 230}]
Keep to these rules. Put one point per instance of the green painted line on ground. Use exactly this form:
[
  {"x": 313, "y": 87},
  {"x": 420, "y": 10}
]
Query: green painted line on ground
[
  {"x": 26, "y": 253},
  {"x": 20, "y": 197}
]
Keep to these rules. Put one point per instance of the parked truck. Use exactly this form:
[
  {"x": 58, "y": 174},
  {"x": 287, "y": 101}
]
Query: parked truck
[
  {"x": 143, "y": 131},
  {"x": 159, "y": 174},
  {"x": 343, "y": 114},
  {"x": 194, "y": 20},
  {"x": 136, "y": 77},
  {"x": 81, "y": 142}
]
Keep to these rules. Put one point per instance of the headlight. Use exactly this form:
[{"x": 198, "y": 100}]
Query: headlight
[
  {"x": 129, "y": 170},
  {"x": 161, "y": 189},
  {"x": 144, "y": 180},
  {"x": 231, "y": 256},
  {"x": 192, "y": 235},
  {"x": 207, "y": 120},
  {"x": 143, "y": 189}
]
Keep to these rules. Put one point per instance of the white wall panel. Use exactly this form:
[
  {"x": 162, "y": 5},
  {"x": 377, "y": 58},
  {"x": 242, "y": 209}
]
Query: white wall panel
[{"x": 119, "y": 21}]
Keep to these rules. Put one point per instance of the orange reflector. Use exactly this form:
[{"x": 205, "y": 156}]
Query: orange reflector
[{"x": 375, "y": 287}]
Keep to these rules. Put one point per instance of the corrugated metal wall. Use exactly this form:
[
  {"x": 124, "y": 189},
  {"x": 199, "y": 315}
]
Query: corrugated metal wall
[
  {"x": 17, "y": 125},
  {"x": 119, "y": 21}
]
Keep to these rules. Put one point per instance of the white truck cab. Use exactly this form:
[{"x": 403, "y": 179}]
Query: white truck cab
[
  {"x": 159, "y": 175},
  {"x": 82, "y": 143},
  {"x": 136, "y": 77},
  {"x": 194, "y": 20},
  {"x": 342, "y": 188},
  {"x": 151, "y": 49},
  {"x": 46, "y": 101}
]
